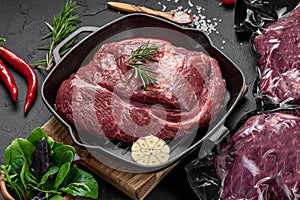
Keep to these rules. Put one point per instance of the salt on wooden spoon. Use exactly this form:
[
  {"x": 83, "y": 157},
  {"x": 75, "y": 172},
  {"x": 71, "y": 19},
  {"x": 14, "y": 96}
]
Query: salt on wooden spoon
[{"x": 178, "y": 17}]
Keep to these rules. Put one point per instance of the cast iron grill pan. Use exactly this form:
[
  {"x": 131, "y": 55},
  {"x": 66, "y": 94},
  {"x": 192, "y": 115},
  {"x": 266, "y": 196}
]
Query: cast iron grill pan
[{"x": 117, "y": 154}]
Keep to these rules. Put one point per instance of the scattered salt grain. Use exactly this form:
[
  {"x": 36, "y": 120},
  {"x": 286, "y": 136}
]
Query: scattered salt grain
[
  {"x": 223, "y": 41},
  {"x": 200, "y": 21}
]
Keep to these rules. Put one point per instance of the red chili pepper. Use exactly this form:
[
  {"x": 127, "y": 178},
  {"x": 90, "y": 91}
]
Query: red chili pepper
[
  {"x": 26, "y": 70},
  {"x": 8, "y": 80}
]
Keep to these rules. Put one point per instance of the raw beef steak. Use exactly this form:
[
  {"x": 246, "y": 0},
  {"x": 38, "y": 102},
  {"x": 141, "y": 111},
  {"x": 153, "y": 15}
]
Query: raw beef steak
[
  {"x": 262, "y": 159},
  {"x": 99, "y": 97},
  {"x": 278, "y": 48}
]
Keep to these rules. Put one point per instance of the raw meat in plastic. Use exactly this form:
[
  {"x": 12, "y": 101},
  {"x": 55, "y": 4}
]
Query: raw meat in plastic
[
  {"x": 278, "y": 48},
  {"x": 262, "y": 159}
]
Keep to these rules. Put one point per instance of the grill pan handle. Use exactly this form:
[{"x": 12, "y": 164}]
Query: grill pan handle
[
  {"x": 209, "y": 143},
  {"x": 80, "y": 30}
]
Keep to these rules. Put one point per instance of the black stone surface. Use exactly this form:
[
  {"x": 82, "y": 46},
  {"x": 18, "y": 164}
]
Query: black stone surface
[{"x": 22, "y": 24}]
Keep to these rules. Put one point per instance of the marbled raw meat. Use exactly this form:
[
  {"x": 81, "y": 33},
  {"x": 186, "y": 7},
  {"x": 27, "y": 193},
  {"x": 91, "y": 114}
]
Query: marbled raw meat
[
  {"x": 98, "y": 99},
  {"x": 261, "y": 162},
  {"x": 278, "y": 48}
]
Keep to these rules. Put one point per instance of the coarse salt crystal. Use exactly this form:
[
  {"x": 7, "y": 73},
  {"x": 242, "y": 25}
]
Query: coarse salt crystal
[{"x": 200, "y": 21}]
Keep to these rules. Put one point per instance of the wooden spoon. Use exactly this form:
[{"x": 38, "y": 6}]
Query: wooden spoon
[{"x": 178, "y": 17}]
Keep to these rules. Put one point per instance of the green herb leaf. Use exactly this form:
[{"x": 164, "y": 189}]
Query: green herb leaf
[
  {"x": 51, "y": 172},
  {"x": 62, "y": 173},
  {"x": 18, "y": 156},
  {"x": 62, "y": 154},
  {"x": 12, "y": 181},
  {"x": 139, "y": 60},
  {"x": 80, "y": 183},
  {"x": 19, "y": 149},
  {"x": 64, "y": 23},
  {"x": 2, "y": 39},
  {"x": 64, "y": 162},
  {"x": 36, "y": 136}
]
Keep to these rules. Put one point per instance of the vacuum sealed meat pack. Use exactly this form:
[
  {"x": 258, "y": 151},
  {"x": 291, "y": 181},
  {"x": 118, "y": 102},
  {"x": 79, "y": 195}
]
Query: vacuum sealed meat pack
[
  {"x": 278, "y": 50},
  {"x": 262, "y": 159},
  {"x": 259, "y": 160}
]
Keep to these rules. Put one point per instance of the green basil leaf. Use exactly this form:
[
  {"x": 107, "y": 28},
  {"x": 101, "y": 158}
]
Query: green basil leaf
[
  {"x": 16, "y": 166},
  {"x": 55, "y": 145},
  {"x": 7, "y": 154},
  {"x": 66, "y": 157},
  {"x": 22, "y": 176},
  {"x": 30, "y": 178},
  {"x": 58, "y": 179},
  {"x": 48, "y": 186},
  {"x": 63, "y": 154},
  {"x": 80, "y": 183},
  {"x": 19, "y": 156},
  {"x": 51, "y": 172},
  {"x": 19, "y": 148},
  {"x": 62, "y": 173},
  {"x": 36, "y": 135},
  {"x": 51, "y": 142}
]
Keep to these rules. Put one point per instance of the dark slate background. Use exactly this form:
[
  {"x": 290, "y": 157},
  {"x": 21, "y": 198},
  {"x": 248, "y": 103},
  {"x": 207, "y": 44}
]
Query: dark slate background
[{"x": 22, "y": 24}]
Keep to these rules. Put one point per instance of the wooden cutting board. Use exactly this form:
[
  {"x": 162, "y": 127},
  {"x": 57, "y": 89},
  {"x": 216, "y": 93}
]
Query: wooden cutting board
[{"x": 136, "y": 186}]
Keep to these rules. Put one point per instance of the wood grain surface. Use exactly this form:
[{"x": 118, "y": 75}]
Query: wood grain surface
[{"x": 136, "y": 186}]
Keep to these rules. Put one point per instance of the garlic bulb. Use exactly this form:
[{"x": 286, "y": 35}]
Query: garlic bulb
[{"x": 150, "y": 150}]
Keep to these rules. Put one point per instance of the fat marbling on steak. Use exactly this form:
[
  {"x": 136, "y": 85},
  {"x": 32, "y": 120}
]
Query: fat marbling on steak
[
  {"x": 278, "y": 48},
  {"x": 262, "y": 159},
  {"x": 100, "y": 99}
]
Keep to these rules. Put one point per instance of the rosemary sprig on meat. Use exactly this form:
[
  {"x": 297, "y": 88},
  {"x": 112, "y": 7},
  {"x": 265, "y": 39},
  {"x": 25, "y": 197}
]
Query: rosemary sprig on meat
[
  {"x": 139, "y": 60},
  {"x": 64, "y": 23}
]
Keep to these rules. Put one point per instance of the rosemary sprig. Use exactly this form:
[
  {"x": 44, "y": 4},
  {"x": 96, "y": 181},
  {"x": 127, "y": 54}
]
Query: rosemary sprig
[
  {"x": 2, "y": 39},
  {"x": 139, "y": 59},
  {"x": 64, "y": 23}
]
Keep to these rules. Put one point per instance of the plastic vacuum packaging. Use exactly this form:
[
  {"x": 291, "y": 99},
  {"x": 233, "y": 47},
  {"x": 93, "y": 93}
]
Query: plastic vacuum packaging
[
  {"x": 275, "y": 29},
  {"x": 261, "y": 161},
  {"x": 252, "y": 16},
  {"x": 278, "y": 50}
]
